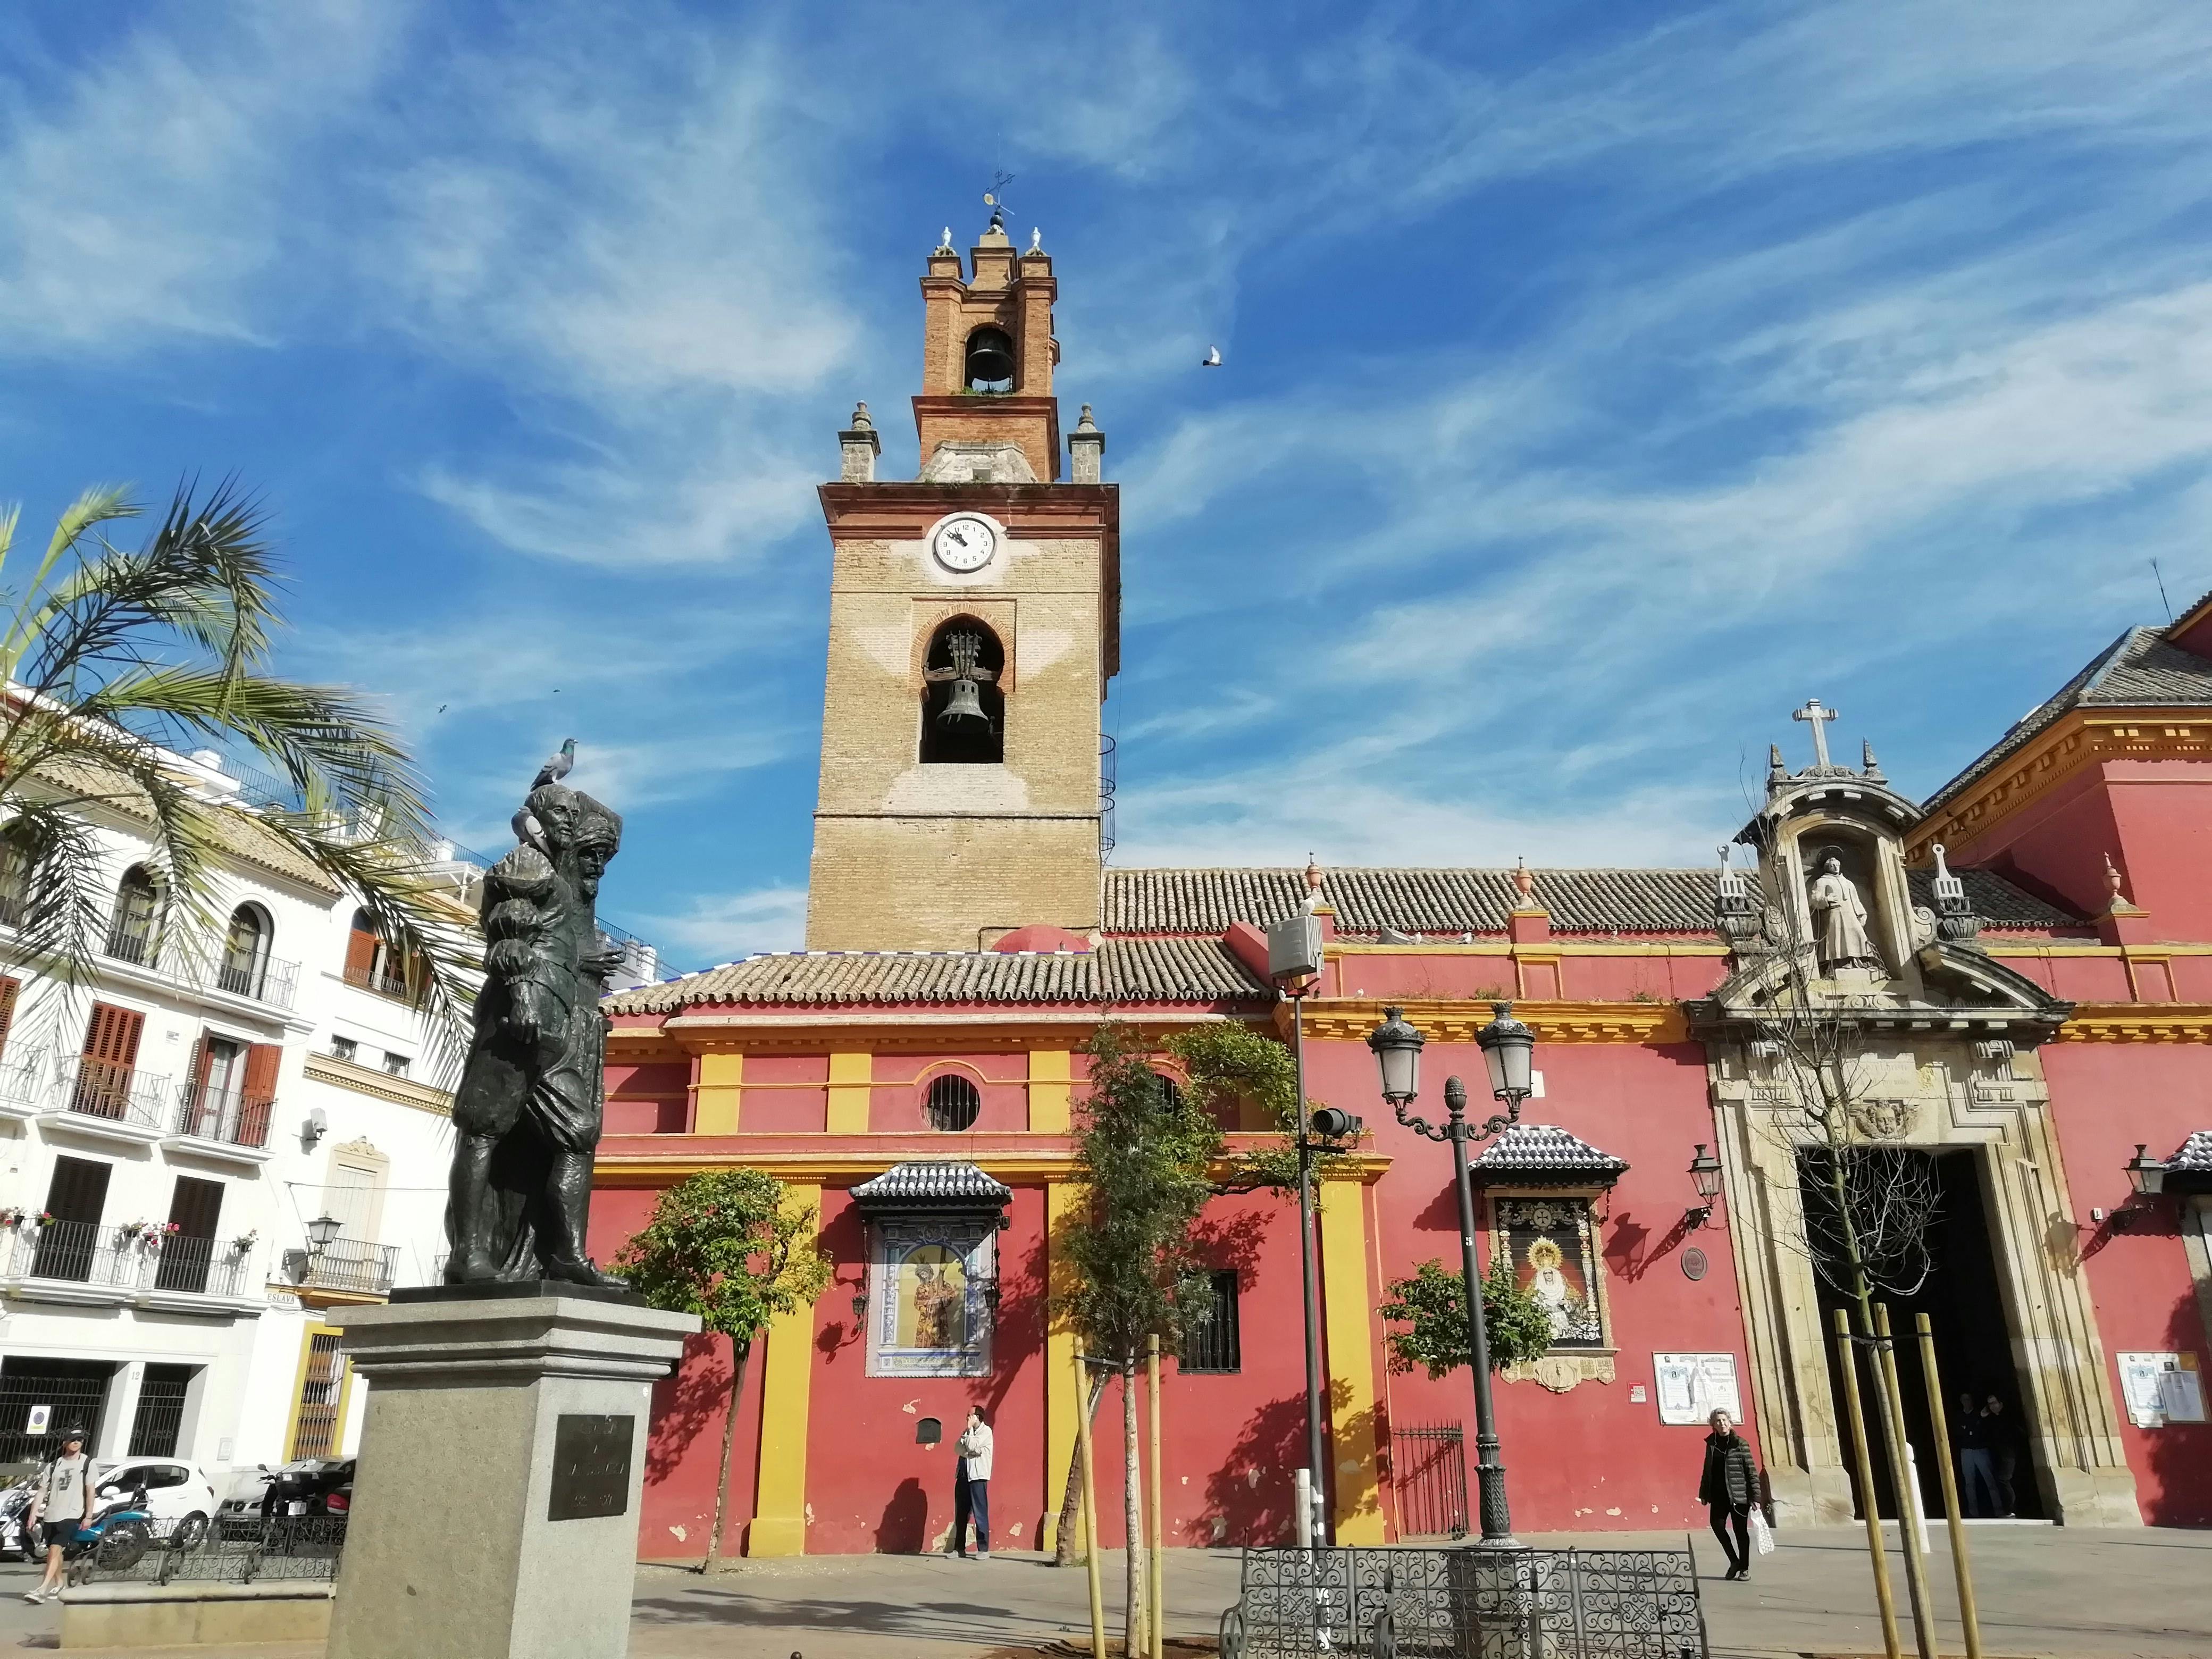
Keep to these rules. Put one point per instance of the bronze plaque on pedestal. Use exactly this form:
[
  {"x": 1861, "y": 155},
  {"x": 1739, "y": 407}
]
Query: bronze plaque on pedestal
[{"x": 591, "y": 1466}]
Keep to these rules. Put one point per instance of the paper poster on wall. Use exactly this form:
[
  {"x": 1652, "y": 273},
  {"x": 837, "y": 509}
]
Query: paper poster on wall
[
  {"x": 2161, "y": 1388},
  {"x": 1693, "y": 1386}
]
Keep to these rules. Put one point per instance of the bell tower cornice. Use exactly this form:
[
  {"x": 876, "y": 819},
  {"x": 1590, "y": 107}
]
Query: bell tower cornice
[{"x": 988, "y": 351}]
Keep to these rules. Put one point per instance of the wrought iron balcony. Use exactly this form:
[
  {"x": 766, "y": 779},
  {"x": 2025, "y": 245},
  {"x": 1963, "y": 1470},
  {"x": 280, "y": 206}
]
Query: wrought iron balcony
[
  {"x": 23, "y": 1080},
  {"x": 384, "y": 980},
  {"x": 107, "y": 1089},
  {"x": 132, "y": 940},
  {"x": 268, "y": 979},
  {"x": 72, "y": 1252},
  {"x": 102, "y": 1256},
  {"x": 206, "y": 1113},
  {"x": 200, "y": 1266},
  {"x": 348, "y": 1264}
]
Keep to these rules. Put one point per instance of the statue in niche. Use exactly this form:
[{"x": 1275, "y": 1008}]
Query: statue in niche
[
  {"x": 1839, "y": 917},
  {"x": 531, "y": 1102}
]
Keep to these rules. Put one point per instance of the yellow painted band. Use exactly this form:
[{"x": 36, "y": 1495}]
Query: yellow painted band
[
  {"x": 778, "y": 1525},
  {"x": 1051, "y": 1090},
  {"x": 1346, "y": 1307},
  {"x": 851, "y": 1080},
  {"x": 721, "y": 1077}
]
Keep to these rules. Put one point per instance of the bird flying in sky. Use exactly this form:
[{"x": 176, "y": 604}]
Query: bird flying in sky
[{"x": 1212, "y": 358}]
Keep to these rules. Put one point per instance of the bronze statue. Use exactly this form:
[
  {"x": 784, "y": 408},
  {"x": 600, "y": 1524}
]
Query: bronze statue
[{"x": 531, "y": 1102}]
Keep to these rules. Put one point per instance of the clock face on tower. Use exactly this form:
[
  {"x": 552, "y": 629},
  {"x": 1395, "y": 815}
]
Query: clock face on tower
[{"x": 964, "y": 543}]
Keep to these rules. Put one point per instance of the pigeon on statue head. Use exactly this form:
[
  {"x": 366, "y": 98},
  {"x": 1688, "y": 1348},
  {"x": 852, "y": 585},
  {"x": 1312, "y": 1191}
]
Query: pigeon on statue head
[{"x": 556, "y": 767}]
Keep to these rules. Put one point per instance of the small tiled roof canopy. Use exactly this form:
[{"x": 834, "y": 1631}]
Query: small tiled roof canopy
[
  {"x": 1544, "y": 1154},
  {"x": 937, "y": 1184},
  {"x": 2190, "y": 1169}
]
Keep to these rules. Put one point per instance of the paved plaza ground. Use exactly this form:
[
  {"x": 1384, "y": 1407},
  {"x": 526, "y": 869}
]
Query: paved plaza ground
[{"x": 2049, "y": 1592}]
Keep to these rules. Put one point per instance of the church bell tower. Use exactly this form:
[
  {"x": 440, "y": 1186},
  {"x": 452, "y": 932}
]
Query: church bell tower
[{"x": 975, "y": 617}]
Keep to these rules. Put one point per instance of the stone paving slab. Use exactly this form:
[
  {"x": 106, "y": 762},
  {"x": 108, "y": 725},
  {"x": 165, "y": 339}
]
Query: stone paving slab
[{"x": 2045, "y": 1593}]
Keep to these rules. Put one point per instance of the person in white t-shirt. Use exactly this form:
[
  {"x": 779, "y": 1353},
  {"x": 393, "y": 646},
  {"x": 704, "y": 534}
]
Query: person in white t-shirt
[
  {"x": 971, "y": 1488},
  {"x": 62, "y": 1503}
]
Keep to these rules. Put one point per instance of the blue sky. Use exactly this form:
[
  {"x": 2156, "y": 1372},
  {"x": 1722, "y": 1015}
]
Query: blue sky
[{"x": 1602, "y": 381}]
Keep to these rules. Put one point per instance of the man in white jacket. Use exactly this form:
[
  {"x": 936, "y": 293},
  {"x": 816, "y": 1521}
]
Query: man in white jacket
[{"x": 971, "y": 1488}]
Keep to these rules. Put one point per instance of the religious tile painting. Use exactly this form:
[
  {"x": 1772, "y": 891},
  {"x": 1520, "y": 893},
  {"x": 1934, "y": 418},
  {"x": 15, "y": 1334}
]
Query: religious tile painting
[
  {"x": 927, "y": 1313},
  {"x": 1548, "y": 1240}
]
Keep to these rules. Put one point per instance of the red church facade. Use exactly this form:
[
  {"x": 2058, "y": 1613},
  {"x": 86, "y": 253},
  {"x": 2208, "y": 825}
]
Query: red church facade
[{"x": 917, "y": 1085}]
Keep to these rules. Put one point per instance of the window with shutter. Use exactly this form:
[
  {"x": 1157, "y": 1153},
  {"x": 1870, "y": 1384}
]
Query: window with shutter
[
  {"x": 8, "y": 990},
  {"x": 258, "y": 1099},
  {"x": 110, "y": 1052},
  {"x": 195, "y": 1211}
]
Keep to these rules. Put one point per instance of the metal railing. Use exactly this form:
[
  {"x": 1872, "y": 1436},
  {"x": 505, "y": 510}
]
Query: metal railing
[
  {"x": 344, "y": 1264},
  {"x": 130, "y": 941},
  {"x": 109, "y": 1089},
  {"x": 1466, "y": 1604},
  {"x": 99, "y": 1252},
  {"x": 24, "y": 1076},
  {"x": 1428, "y": 1469},
  {"x": 228, "y": 1550},
  {"x": 229, "y": 1114},
  {"x": 268, "y": 979},
  {"x": 384, "y": 980}
]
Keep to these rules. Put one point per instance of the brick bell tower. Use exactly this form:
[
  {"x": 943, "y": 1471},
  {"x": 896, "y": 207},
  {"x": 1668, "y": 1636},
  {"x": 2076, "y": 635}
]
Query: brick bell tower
[{"x": 974, "y": 618}]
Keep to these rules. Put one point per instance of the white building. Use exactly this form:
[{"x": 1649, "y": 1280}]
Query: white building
[{"x": 182, "y": 1122}]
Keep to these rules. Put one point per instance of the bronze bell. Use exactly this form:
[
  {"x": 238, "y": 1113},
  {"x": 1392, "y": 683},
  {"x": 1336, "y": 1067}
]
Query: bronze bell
[
  {"x": 963, "y": 705},
  {"x": 990, "y": 357}
]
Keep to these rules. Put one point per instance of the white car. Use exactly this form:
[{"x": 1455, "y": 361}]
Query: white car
[{"x": 177, "y": 1492}]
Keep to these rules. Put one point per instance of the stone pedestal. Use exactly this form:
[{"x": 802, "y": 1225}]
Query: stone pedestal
[{"x": 494, "y": 1513}]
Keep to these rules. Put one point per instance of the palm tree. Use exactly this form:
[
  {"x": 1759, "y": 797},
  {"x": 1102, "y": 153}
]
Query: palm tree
[{"x": 111, "y": 662}]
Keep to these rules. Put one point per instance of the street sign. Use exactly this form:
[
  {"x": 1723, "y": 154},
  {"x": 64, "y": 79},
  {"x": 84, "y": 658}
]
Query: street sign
[{"x": 41, "y": 1420}]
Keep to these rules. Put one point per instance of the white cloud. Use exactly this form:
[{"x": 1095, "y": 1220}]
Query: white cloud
[{"x": 728, "y": 926}]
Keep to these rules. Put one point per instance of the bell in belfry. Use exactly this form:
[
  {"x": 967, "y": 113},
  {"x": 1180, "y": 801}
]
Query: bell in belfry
[{"x": 961, "y": 706}]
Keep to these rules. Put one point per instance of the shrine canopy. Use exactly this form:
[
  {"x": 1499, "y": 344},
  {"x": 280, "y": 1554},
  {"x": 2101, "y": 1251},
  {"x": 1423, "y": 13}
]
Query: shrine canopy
[
  {"x": 1543, "y": 1154},
  {"x": 941, "y": 1186}
]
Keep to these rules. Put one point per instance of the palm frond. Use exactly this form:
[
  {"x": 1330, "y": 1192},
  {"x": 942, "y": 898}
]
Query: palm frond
[{"x": 96, "y": 506}]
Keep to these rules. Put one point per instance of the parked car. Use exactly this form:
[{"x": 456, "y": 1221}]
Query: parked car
[
  {"x": 179, "y": 1498},
  {"x": 310, "y": 1487},
  {"x": 15, "y": 1538}
]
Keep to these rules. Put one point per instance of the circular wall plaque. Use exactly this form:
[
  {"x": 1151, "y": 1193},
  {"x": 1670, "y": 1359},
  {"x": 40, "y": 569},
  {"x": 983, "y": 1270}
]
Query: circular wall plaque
[{"x": 1693, "y": 1263}]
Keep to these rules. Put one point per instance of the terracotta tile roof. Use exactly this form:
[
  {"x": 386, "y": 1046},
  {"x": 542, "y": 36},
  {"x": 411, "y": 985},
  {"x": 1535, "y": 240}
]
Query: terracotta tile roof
[
  {"x": 1544, "y": 1151},
  {"x": 2139, "y": 670},
  {"x": 935, "y": 1184},
  {"x": 238, "y": 832},
  {"x": 1169, "y": 970},
  {"x": 1445, "y": 903},
  {"x": 2195, "y": 1156}
]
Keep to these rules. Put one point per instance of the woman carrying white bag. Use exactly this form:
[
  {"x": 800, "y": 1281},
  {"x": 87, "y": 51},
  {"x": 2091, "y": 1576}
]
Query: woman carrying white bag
[{"x": 1728, "y": 1489}]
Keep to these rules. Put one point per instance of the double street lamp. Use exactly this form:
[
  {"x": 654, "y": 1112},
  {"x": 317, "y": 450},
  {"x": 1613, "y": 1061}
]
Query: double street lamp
[{"x": 1507, "y": 1049}]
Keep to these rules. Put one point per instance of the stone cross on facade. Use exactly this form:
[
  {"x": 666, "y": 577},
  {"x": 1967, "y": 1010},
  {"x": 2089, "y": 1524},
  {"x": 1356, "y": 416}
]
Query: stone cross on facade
[{"x": 1818, "y": 719}]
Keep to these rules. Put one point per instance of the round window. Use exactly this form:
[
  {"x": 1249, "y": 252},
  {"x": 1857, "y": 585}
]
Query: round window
[{"x": 954, "y": 1103}]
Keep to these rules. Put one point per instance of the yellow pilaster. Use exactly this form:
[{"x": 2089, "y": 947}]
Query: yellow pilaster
[
  {"x": 850, "y": 1076},
  {"x": 1346, "y": 1306},
  {"x": 1051, "y": 1080},
  {"x": 715, "y": 1109},
  {"x": 778, "y": 1525},
  {"x": 1060, "y": 1401}
]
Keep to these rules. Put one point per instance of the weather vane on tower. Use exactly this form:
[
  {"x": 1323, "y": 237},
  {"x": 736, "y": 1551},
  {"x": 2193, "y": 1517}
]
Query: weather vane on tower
[{"x": 995, "y": 198}]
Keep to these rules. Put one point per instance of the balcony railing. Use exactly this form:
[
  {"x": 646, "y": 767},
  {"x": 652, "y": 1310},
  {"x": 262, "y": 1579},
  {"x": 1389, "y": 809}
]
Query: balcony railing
[
  {"x": 268, "y": 979},
  {"x": 96, "y": 1253},
  {"x": 107, "y": 1089},
  {"x": 211, "y": 1113},
  {"x": 385, "y": 981},
  {"x": 23, "y": 1078},
  {"x": 131, "y": 941},
  {"x": 344, "y": 1264}
]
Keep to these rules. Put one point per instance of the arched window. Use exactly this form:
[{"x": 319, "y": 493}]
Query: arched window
[
  {"x": 990, "y": 361},
  {"x": 246, "y": 950},
  {"x": 963, "y": 713},
  {"x": 953, "y": 1102},
  {"x": 17, "y": 856},
  {"x": 131, "y": 934},
  {"x": 1170, "y": 1091}
]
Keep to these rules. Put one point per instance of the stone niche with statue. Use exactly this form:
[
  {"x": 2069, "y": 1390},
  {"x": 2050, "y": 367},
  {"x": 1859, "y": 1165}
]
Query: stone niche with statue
[{"x": 1930, "y": 1045}]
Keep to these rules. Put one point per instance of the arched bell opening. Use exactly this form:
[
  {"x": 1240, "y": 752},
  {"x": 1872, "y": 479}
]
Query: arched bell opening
[
  {"x": 990, "y": 361},
  {"x": 963, "y": 713}
]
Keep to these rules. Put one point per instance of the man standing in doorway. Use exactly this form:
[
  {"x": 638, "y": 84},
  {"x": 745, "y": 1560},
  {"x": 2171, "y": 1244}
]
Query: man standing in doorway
[
  {"x": 1977, "y": 1469},
  {"x": 971, "y": 1488},
  {"x": 63, "y": 1503}
]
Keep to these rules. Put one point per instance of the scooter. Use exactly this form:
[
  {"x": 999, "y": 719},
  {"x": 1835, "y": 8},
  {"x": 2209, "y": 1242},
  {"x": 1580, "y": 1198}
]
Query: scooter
[
  {"x": 15, "y": 1537},
  {"x": 115, "y": 1539}
]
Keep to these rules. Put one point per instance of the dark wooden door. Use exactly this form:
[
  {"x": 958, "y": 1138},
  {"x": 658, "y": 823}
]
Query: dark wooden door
[
  {"x": 196, "y": 1211},
  {"x": 76, "y": 1197}
]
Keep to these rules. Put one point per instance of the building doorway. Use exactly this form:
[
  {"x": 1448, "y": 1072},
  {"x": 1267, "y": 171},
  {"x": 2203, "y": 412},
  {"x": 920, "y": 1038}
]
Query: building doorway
[
  {"x": 41, "y": 1398},
  {"x": 1963, "y": 1299}
]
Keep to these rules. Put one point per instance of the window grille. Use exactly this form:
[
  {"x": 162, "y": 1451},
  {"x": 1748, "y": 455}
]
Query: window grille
[
  {"x": 954, "y": 1103},
  {"x": 315, "y": 1413},
  {"x": 1213, "y": 1341},
  {"x": 1170, "y": 1091},
  {"x": 161, "y": 1413}
]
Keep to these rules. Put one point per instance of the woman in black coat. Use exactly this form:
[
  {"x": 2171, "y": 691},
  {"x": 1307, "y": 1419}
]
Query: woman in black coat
[{"x": 1728, "y": 1489}]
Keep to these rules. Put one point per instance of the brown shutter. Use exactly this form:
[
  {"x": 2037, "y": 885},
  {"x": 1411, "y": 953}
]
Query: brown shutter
[
  {"x": 112, "y": 1035},
  {"x": 197, "y": 1207},
  {"x": 361, "y": 953},
  {"x": 260, "y": 1092},
  {"x": 77, "y": 1190},
  {"x": 8, "y": 989}
]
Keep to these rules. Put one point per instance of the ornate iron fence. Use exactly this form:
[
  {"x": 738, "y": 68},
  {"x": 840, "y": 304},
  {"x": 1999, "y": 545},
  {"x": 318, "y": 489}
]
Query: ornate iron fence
[
  {"x": 224, "y": 1552},
  {"x": 1466, "y": 1604}
]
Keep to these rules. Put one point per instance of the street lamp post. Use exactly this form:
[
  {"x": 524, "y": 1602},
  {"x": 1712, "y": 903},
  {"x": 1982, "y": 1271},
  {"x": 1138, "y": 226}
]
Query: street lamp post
[{"x": 1507, "y": 1046}]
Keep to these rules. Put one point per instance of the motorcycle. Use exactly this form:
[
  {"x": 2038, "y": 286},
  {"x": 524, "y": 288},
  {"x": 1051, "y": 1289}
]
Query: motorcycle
[
  {"x": 16, "y": 1536},
  {"x": 115, "y": 1539}
]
